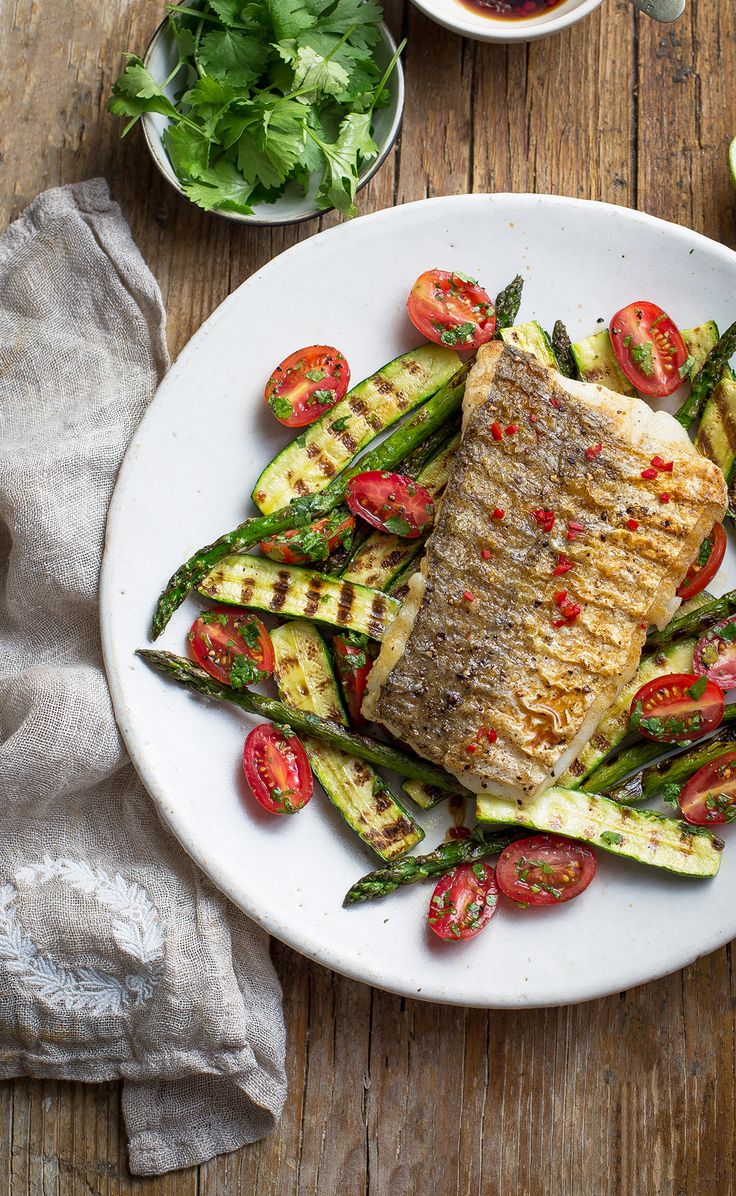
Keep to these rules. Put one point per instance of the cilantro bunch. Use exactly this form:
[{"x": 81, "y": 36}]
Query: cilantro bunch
[{"x": 270, "y": 93}]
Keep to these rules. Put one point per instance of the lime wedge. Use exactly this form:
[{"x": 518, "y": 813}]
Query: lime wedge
[{"x": 732, "y": 160}]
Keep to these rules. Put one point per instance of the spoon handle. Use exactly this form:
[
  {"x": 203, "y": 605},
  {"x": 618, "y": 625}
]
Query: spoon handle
[{"x": 661, "y": 10}]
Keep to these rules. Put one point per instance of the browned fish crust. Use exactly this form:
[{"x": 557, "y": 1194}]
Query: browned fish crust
[{"x": 484, "y": 654}]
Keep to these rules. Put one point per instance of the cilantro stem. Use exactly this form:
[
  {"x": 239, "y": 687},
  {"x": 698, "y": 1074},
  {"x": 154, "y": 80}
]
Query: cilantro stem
[{"x": 388, "y": 72}]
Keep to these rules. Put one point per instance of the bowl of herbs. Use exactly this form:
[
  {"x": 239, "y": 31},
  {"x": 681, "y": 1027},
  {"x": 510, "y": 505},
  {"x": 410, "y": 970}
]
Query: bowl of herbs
[{"x": 267, "y": 111}]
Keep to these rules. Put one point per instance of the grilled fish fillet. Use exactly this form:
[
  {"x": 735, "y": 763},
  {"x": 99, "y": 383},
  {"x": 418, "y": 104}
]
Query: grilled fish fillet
[{"x": 490, "y": 669}]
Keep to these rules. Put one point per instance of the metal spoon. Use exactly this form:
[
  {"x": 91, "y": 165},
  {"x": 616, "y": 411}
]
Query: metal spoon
[{"x": 661, "y": 10}]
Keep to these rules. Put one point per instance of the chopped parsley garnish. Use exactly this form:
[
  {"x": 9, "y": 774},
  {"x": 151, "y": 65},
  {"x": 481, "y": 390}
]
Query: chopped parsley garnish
[
  {"x": 642, "y": 355},
  {"x": 686, "y": 367},
  {"x": 706, "y": 549},
  {"x": 398, "y": 525},
  {"x": 697, "y": 689},
  {"x": 457, "y": 334},
  {"x": 213, "y": 616},
  {"x": 727, "y": 632},
  {"x": 671, "y": 793},
  {"x": 611, "y": 838},
  {"x": 245, "y": 672},
  {"x": 280, "y": 406},
  {"x": 339, "y": 425}
]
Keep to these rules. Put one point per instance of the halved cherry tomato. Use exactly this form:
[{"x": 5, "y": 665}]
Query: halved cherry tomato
[
  {"x": 391, "y": 502},
  {"x": 710, "y": 794},
  {"x": 649, "y": 348},
  {"x": 463, "y": 902},
  {"x": 353, "y": 666},
  {"x": 706, "y": 564},
  {"x": 715, "y": 654},
  {"x": 545, "y": 870},
  {"x": 233, "y": 646},
  {"x": 676, "y": 707},
  {"x": 306, "y": 384},
  {"x": 451, "y": 309},
  {"x": 277, "y": 769},
  {"x": 313, "y": 543}
]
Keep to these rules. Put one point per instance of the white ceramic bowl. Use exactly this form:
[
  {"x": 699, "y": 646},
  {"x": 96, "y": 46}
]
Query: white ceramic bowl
[
  {"x": 292, "y": 207},
  {"x": 484, "y": 27}
]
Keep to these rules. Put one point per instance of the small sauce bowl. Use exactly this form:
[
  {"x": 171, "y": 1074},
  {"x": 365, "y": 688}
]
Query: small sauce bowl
[{"x": 469, "y": 20}]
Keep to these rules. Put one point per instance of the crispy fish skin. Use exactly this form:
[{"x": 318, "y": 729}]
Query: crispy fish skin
[{"x": 475, "y": 647}]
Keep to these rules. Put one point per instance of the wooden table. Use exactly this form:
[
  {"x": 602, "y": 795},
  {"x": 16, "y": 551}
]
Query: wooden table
[{"x": 633, "y": 1094}]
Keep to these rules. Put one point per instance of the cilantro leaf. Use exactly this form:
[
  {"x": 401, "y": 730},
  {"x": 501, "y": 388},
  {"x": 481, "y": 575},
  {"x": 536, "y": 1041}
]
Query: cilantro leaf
[
  {"x": 221, "y": 186},
  {"x": 360, "y": 17},
  {"x": 289, "y": 18},
  {"x": 233, "y": 57},
  {"x": 342, "y": 161},
  {"x": 188, "y": 151},
  {"x": 697, "y": 689},
  {"x": 136, "y": 92},
  {"x": 227, "y": 10},
  {"x": 316, "y": 75},
  {"x": 271, "y": 141}
]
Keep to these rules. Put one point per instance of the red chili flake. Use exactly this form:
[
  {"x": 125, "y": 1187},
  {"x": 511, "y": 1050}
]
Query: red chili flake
[
  {"x": 533, "y": 418},
  {"x": 460, "y": 832},
  {"x": 632, "y": 525},
  {"x": 648, "y": 473},
  {"x": 664, "y": 496},
  {"x": 592, "y": 452},
  {"x": 571, "y": 610},
  {"x": 471, "y": 747},
  {"x": 573, "y": 528},
  {"x": 512, "y": 429},
  {"x": 496, "y": 431},
  {"x": 468, "y": 596},
  {"x": 498, "y": 513},
  {"x": 545, "y": 519},
  {"x": 559, "y": 597},
  {"x": 559, "y": 622},
  {"x": 562, "y": 566},
  {"x": 491, "y": 735},
  {"x": 485, "y": 554},
  {"x": 662, "y": 466},
  {"x": 556, "y": 403}
]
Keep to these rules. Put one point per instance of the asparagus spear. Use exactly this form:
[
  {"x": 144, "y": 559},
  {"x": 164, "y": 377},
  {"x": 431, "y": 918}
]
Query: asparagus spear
[
  {"x": 178, "y": 668},
  {"x": 420, "y": 867},
  {"x": 693, "y": 624},
  {"x": 562, "y": 346},
  {"x": 611, "y": 774},
  {"x": 414, "y": 463},
  {"x": 508, "y": 302},
  {"x": 674, "y": 770},
  {"x": 300, "y": 511},
  {"x": 707, "y": 377}
]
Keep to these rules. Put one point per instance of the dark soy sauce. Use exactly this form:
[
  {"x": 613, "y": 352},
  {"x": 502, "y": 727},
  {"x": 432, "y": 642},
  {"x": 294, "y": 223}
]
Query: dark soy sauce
[{"x": 513, "y": 10}]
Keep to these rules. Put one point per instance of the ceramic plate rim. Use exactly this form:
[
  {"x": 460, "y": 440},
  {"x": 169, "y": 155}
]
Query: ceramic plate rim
[{"x": 197, "y": 851}]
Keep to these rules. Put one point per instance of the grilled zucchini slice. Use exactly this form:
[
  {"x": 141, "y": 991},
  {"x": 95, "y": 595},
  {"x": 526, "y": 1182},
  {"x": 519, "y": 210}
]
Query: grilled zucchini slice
[
  {"x": 716, "y": 436},
  {"x": 323, "y": 450},
  {"x": 641, "y": 835},
  {"x": 295, "y": 590},
  {"x": 532, "y": 339},
  {"x": 305, "y": 680}
]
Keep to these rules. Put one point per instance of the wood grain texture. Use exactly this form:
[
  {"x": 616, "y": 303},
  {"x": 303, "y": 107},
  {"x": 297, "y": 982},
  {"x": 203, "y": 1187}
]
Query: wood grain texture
[{"x": 633, "y": 1094}]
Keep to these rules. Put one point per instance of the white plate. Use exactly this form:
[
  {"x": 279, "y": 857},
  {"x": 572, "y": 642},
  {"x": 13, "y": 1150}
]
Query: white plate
[{"x": 186, "y": 478}]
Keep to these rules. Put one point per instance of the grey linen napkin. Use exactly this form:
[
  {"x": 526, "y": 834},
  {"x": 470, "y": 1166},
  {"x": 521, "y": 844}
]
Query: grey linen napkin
[{"x": 117, "y": 957}]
